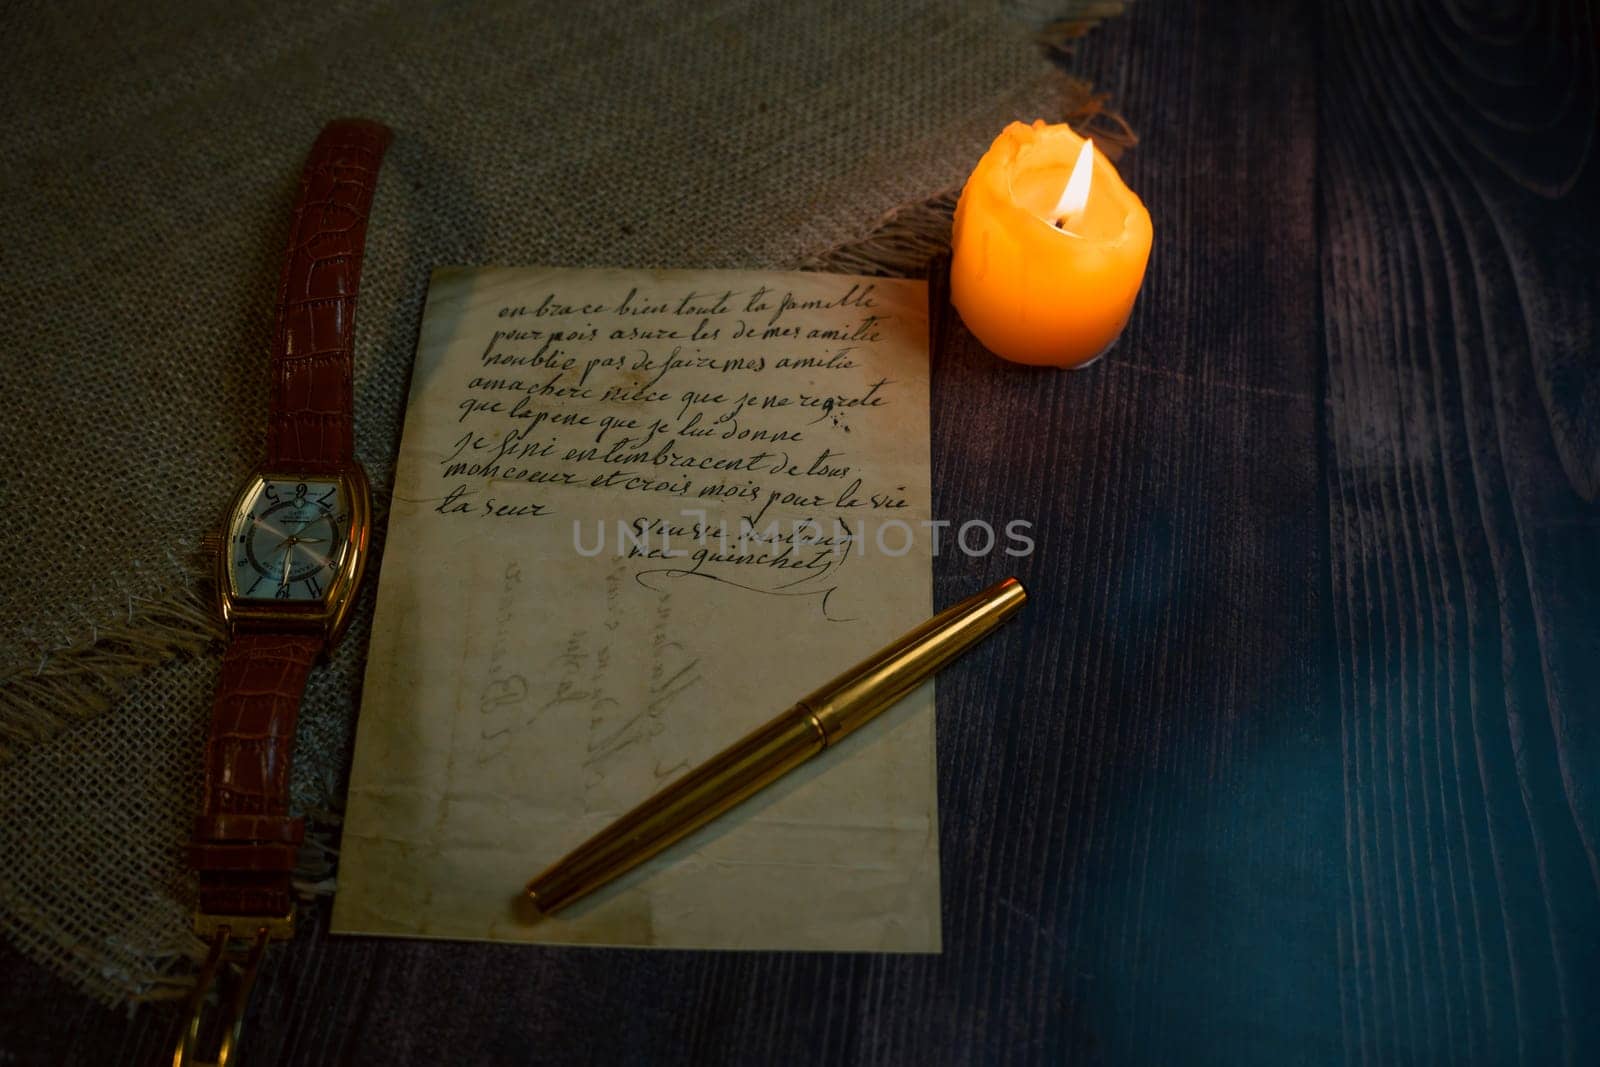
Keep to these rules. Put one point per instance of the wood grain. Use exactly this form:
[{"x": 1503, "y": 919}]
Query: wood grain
[
  {"x": 1294, "y": 757},
  {"x": 1460, "y": 252}
]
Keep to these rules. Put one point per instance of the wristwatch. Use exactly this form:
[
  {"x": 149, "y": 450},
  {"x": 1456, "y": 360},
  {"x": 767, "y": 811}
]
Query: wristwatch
[{"x": 289, "y": 561}]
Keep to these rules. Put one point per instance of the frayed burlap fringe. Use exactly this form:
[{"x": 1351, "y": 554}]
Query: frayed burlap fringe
[
  {"x": 77, "y": 681},
  {"x": 86, "y": 678},
  {"x": 901, "y": 243}
]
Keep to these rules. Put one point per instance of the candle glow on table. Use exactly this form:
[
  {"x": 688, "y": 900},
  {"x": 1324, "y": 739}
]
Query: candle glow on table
[{"x": 1049, "y": 248}]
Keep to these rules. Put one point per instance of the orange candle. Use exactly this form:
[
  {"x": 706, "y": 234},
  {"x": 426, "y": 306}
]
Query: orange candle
[{"x": 1049, "y": 248}]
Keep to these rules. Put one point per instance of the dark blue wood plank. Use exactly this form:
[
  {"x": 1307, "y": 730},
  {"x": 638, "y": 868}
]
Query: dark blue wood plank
[{"x": 1460, "y": 236}]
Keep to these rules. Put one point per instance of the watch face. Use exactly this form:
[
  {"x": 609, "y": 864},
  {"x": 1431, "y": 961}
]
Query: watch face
[{"x": 287, "y": 540}]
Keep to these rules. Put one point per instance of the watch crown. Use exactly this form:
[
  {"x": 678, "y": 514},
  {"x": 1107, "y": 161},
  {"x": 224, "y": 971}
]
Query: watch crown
[{"x": 211, "y": 543}]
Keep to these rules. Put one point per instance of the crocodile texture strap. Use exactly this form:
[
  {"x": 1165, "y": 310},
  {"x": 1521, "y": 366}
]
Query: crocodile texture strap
[
  {"x": 309, "y": 427},
  {"x": 245, "y": 842}
]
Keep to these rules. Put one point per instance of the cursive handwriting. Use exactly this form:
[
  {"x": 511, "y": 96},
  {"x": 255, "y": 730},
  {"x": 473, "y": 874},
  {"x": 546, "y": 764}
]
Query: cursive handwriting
[{"x": 743, "y": 401}]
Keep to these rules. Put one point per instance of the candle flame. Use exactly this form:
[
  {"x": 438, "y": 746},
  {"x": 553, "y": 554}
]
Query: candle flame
[{"x": 1076, "y": 195}]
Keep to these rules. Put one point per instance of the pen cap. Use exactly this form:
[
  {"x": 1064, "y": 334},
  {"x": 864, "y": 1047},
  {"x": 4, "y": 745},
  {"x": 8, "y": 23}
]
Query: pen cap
[{"x": 856, "y": 696}]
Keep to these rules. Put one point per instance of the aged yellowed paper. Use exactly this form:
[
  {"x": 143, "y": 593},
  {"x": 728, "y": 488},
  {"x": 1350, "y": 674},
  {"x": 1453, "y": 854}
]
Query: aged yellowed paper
[{"x": 637, "y": 514}]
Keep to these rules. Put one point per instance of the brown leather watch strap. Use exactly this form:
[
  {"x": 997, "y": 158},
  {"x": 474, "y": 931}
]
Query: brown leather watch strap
[
  {"x": 244, "y": 843},
  {"x": 244, "y": 840},
  {"x": 310, "y": 423}
]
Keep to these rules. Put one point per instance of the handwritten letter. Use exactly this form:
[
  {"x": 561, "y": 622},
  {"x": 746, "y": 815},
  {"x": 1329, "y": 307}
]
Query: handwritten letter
[{"x": 636, "y": 515}]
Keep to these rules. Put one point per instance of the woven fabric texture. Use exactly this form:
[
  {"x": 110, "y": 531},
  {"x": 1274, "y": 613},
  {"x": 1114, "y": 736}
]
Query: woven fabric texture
[{"x": 147, "y": 167}]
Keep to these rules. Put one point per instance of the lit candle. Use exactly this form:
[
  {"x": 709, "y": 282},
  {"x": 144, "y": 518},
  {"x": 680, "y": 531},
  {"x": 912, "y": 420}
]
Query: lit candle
[{"x": 1049, "y": 248}]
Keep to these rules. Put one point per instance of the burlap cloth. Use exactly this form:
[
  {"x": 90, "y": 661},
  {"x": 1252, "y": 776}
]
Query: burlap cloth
[{"x": 148, "y": 162}]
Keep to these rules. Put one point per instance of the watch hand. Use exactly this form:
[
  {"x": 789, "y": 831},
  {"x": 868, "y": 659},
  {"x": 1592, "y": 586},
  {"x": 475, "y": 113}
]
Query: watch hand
[{"x": 287, "y": 558}]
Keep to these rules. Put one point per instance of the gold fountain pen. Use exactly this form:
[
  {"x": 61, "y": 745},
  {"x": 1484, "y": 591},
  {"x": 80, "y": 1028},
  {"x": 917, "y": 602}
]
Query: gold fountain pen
[{"x": 831, "y": 713}]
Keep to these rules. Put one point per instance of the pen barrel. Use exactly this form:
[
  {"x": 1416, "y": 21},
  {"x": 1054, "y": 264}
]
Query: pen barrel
[
  {"x": 836, "y": 710},
  {"x": 858, "y": 695},
  {"x": 726, "y": 779}
]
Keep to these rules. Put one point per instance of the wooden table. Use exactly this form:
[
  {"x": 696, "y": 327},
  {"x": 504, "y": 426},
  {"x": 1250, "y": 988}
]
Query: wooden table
[{"x": 1295, "y": 755}]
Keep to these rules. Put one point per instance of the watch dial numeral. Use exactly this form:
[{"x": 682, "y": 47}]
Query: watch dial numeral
[{"x": 290, "y": 538}]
